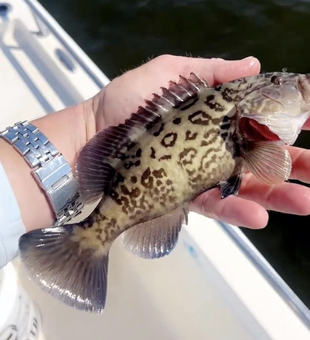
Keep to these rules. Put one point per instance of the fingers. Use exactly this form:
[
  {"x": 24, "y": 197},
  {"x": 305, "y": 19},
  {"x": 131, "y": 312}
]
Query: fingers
[
  {"x": 233, "y": 210},
  {"x": 301, "y": 164},
  {"x": 214, "y": 70},
  {"x": 231, "y": 70},
  {"x": 287, "y": 198},
  {"x": 306, "y": 126},
  {"x": 248, "y": 209},
  {"x": 126, "y": 92}
]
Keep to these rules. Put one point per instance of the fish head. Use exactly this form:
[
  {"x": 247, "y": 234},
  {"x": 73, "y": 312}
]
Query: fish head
[{"x": 275, "y": 107}]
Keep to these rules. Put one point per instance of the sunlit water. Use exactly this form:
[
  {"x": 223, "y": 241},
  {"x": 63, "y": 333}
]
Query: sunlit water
[{"x": 120, "y": 34}]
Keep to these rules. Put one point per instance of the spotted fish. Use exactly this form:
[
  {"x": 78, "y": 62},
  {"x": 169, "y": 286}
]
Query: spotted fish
[{"x": 146, "y": 171}]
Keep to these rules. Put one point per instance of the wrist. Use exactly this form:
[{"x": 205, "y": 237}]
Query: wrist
[{"x": 68, "y": 130}]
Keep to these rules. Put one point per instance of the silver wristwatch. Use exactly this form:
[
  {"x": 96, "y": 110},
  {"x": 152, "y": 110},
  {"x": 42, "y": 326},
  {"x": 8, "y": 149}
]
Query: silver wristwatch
[{"x": 50, "y": 169}]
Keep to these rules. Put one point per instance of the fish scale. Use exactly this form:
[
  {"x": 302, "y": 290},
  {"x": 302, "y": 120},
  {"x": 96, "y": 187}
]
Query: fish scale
[{"x": 147, "y": 170}]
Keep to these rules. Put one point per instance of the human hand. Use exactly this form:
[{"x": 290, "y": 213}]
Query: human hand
[{"x": 249, "y": 209}]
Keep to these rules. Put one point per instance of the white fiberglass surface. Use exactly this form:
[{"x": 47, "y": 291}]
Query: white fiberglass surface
[
  {"x": 33, "y": 79},
  {"x": 191, "y": 294},
  {"x": 171, "y": 298}
]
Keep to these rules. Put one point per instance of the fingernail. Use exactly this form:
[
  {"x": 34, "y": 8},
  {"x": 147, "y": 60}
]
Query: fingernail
[{"x": 252, "y": 62}]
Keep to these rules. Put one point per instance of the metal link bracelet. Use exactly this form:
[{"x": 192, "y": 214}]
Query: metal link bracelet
[{"x": 50, "y": 169}]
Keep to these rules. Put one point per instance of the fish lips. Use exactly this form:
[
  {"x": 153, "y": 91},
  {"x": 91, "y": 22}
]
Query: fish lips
[{"x": 287, "y": 127}]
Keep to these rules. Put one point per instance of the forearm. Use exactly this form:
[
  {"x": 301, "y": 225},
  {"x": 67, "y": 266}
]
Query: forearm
[{"x": 68, "y": 132}]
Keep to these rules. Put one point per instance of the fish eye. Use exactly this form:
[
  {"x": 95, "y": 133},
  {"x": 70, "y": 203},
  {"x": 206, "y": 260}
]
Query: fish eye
[{"x": 277, "y": 80}]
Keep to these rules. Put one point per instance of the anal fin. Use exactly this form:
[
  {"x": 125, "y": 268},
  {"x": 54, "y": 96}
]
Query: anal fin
[
  {"x": 155, "y": 238},
  {"x": 58, "y": 266}
]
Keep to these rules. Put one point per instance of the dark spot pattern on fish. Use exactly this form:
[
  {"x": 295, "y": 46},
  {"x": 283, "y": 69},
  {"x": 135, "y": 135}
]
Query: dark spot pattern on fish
[
  {"x": 189, "y": 103},
  {"x": 135, "y": 192},
  {"x": 237, "y": 98},
  {"x": 146, "y": 179},
  {"x": 210, "y": 137},
  {"x": 213, "y": 104},
  {"x": 137, "y": 204},
  {"x": 112, "y": 230},
  {"x": 114, "y": 195},
  {"x": 165, "y": 157},
  {"x": 160, "y": 173},
  {"x": 206, "y": 160},
  {"x": 153, "y": 153},
  {"x": 124, "y": 202},
  {"x": 202, "y": 118},
  {"x": 160, "y": 193},
  {"x": 228, "y": 94},
  {"x": 226, "y": 119},
  {"x": 190, "y": 135},
  {"x": 157, "y": 133},
  {"x": 225, "y": 126},
  {"x": 216, "y": 157},
  {"x": 224, "y": 135},
  {"x": 121, "y": 156},
  {"x": 177, "y": 121},
  {"x": 131, "y": 145},
  {"x": 138, "y": 153},
  {"x": 131, "y": 164},
  {"x": 169, "y": 140},
  {"x": 187, "y": 156},
  {"x": 171, "y": 199},
  {"x": 118, "y": 179}
]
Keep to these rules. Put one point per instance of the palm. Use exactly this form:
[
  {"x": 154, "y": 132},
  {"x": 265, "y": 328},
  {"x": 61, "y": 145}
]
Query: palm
[{"x": 249, "y": 209}]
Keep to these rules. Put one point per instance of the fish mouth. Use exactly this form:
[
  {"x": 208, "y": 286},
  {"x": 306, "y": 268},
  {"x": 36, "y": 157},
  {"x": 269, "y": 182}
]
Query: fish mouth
[
  {"x": 254, "y": 131},
  {"x": 278, "y": 127}
]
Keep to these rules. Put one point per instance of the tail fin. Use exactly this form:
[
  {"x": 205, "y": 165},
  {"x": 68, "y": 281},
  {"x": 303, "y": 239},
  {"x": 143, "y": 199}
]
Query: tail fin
[{"x": 56, "y": 263}]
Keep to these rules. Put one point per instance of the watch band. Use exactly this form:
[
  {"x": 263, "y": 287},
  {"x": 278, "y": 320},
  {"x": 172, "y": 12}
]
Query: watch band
[{"x": 50, "y": 169}]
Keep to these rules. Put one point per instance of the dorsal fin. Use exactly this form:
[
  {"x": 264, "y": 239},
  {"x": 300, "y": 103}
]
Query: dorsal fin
[{"x": 97, "y": 161}]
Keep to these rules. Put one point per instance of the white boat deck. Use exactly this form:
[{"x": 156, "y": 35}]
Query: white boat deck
[
  {"x": 34, "y": 78},
  {"x": 206, "y": 289}
]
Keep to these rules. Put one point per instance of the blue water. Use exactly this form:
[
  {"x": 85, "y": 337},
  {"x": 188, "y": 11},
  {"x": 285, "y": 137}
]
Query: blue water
[{"x": 120, "y": 34}]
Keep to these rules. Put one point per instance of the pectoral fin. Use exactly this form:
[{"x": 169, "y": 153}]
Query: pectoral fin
[
  {"x": 268, "y": 162},
  {"x": 155, "y": 238}
]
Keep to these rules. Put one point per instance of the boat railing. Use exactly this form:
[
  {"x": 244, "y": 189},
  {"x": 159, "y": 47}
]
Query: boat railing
[
  {"x": 81, "y": 58},
  {"x": 268, "y": 272}
]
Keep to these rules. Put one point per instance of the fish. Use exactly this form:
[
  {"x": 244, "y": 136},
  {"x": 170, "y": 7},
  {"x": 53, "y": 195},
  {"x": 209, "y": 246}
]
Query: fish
[{"x": 145, "y": 172}]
